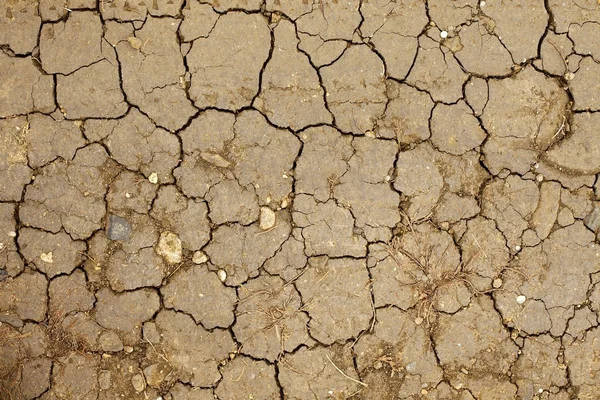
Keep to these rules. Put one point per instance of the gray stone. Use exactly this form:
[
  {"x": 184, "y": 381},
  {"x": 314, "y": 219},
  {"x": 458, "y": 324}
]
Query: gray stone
[
  {"x": 110, "y": 341},
  {"x": 104, "y": 380},
  {"x": 592, "y": 221},
  {"x": 118, "y": 228}
]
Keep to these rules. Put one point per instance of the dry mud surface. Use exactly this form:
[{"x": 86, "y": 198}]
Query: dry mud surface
[{"x": 311, "y": 199}]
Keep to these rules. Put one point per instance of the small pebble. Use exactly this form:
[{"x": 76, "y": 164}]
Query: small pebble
[
  {"x": 517, "y": 248},
  {"x": 521, "y": 299},
  {"x": 104, "y": 380},
  {"x": 138, "y": 382},
  {"x": 47, "y": 257},
  {"x": 222, "y": 275},
  {"x": 267, "y": 218},
  {"x": 443, "y": 34},
  {"x": 199, "y": 257},
  {"x": 128, "y": 349},
  {"x": 418, "y": 320},
  {"x": 169, "y": 246},
  {"x": 497, "y": 283},
  {"x": 540, "y": 177},
  {"x": 153, "y": 178},
  {"x": 118, "y": 228},
  {"x": 12, "y": 234}
]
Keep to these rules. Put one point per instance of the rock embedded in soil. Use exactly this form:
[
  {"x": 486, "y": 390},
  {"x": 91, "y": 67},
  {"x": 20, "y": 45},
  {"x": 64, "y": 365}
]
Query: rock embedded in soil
[
  {"x": 169, "y": 246},
  {"x": 118, "y": 228}
]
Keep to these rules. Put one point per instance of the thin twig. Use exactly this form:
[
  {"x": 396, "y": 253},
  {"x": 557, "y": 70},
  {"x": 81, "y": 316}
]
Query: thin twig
[{"x": 342, "y": 372}]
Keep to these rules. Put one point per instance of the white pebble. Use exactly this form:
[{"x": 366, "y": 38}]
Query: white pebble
[
  {"x": 482, "y": 4},
  {"x": 267, "y": 218},
  {"x": 12, "y": 234},
  {"x": 517, "y": 247},
  {"x": 199, "y": 257},
  {"x": 521, "y": 299},
  {"x": 222, "y": 275},
  {"x": 443, "y": 34},
  {"x": 153, "y": 178},
  {"x": 47, "y": 257}
]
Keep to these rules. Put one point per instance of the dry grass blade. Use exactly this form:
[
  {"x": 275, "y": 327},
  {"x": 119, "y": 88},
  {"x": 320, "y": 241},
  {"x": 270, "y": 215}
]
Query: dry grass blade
[{"x": 345, "y": 376}]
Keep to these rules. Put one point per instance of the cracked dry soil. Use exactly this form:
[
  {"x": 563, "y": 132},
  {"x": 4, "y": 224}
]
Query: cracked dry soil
[{"x": 317, "y": 199}]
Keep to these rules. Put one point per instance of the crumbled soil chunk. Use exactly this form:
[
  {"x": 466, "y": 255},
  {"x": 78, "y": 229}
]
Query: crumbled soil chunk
[
  {"x": 475, "y": 341},
  {"x": 14, "y": 170},
  {"x": 70, "y": 195},
  {"x": 216, "y": 79},
  {"x": 130, "y": 192},
  {"x": 232, "y": 202},
  {"x": 23, "y": 298},
  {"x": 290, "y": 259},
  {"x": 582, "y": 364},
  {"x": 397, "y": 358},
  {"x": 450, "y": 15},
  {"x": 126, "y": 312},
  {"x": 85, "y": 28},
  {"x": 92, "y": 91},
  {"x": 242, "y": 250},
  {"x": 407, "y": 114},
  {"x": 70, "y": 293},
  {"x": 519, "y": 25},
  {"x": 52, "y": 254},
  {"x": 187, "y": 218},
  {"x": 270, "y": 318},
  {"x": 420, "y": 179},
  {"x": 23, "y": 88},
  {"x": 535, "y": 275},
  {"x": 356, "y": 96},
  {"x": 454, "y": 129},
  {"x": 337, "y": 292},
  {"x": 239, "y": 149},
  {"x": 138, "y": 145},
  {"x": 481, "y": 52},
  {"x": 521, "y": 121},
  {"x": 48, "y": 139},
  {"x": 393, "y": 29},
  {"x": 315, "y": 372},
  {"x": 191, "y": 349},
  {"x": 10, "y": 260},
  {"x": 199, "y": 20},
  {"x": 578, "y": 152},
  {"x": 199, "y": 293},
  {"x": 436, "y": 72},
  {"x": 74, "y": 375},
  {"x": 289, "y": 70},
  {"x": 246, "y": 378},
  {"x": 35, "y": 377},
  {"x": 128, "y": 270},
  {"x": 183, "y": 392},
  {"x": 19, "y": 26},
  {"x": 318, "y": 220},
  {"x": 324, "y": 160},
  {"x": 510, "y": 203},
  {"x": 538, "y": 368},
  {"x": 151, "y": 73}
]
